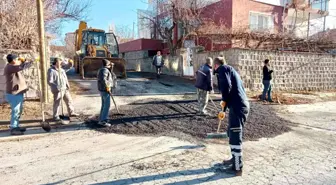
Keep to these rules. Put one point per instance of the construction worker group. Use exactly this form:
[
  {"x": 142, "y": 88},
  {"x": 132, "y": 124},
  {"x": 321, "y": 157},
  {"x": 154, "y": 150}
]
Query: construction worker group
[
  {"x": 229, "y": 84},
  {"x": 59, "y": 85}
]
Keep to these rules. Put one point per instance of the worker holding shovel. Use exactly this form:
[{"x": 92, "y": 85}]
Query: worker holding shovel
[
  {"x": 59, "y": 85},
  {"x": 106, "y": 82},
  {"x": 234, "y": 98}
]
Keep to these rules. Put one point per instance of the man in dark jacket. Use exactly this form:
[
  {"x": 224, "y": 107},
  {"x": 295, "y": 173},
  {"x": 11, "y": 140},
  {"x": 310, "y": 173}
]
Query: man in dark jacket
[
  {"x": 204, "y": 85},
  {"x": 106, "y": 82},
  {"x": 267, "y": 78},
  {"x": 158, "y": 62},
  {"x": 15, "y": 88},
  {"x": 234, "y": 98}
]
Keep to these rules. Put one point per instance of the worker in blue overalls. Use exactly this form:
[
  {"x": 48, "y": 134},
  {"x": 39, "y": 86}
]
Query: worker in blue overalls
[{"x": 233, "y": 98}]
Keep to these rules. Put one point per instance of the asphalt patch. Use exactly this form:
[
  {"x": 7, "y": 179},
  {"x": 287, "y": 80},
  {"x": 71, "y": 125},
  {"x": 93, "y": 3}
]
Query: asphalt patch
[{"x": 180, "y": 119}]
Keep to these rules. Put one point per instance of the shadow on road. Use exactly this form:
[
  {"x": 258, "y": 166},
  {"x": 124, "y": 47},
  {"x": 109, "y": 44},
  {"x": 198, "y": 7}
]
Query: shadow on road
[
  {"x": 36, "y": 130},
  {"x": 214, "y": 174}
]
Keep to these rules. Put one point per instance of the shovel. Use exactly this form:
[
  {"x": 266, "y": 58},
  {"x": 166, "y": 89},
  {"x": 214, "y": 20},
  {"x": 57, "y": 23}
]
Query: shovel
[
  {"x": 44, "y": 124},
  {"x": 65, "y": 120},
  {"x": 119, "y": 114}
]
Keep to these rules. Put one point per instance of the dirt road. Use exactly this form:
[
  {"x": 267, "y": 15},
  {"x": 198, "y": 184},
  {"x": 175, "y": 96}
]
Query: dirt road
[{"x": 305, "y": 155}]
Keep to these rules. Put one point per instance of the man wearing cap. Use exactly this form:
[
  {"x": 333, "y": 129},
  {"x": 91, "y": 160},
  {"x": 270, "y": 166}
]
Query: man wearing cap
[
  {"x": 106, "y": 83},
  {"x": 233, "y": 98},
  {"x": 59, "y": 85},
  {"x": 15, "y": 88}
]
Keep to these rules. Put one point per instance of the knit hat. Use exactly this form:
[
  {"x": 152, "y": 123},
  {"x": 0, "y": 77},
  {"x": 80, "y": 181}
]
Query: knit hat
[
  {"x": 107, "y": 62},
  {"x": 11, "y": 58}
]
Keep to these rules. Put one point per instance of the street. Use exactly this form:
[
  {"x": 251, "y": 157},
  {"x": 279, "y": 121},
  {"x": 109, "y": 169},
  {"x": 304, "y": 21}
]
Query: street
[
  {"x": 303, "y": 154},
  {"x": 167, "y": 92}
]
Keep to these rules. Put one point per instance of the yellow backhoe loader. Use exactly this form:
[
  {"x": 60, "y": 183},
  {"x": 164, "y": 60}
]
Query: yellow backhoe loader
[{"x": 94, "y": 45}]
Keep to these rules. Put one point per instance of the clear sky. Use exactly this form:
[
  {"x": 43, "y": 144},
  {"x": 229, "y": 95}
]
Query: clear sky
[{"x": 104, "y": 12}]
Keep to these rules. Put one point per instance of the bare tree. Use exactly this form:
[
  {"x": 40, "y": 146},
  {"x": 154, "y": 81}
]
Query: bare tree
[
  {"x": 69, "y": 43},
  {"x": 18, "y": 20},
  {"x": 168, "y": 14},
  {"x": 123, "y": 33}
]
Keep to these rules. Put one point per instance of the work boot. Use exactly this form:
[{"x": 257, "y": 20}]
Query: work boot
[
  {"x": 104, "y": 124},
  {"x": 233, "y": 172},
  {"x": 22, "y": 129},
  {"x": 57, "y": 119},
  {"x": 16, "y": 132},
  {"x": 228, "y": 162}
]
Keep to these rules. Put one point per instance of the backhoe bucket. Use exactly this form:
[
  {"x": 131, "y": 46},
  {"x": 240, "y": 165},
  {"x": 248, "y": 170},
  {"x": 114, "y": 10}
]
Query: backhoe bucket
[{"x": 91, "y": 65}]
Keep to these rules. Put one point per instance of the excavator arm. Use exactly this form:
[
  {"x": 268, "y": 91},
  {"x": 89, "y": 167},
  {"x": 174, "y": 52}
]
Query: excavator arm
[{"x": 79, "y": 35}]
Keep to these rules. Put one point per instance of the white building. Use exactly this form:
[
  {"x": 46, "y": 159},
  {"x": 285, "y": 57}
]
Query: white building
[
  {"x": 330, "y": 19},
  {"x": 144, "y": 24},
  {"x": 111, "y": 28},
  {"x": 308, "y": 18}
]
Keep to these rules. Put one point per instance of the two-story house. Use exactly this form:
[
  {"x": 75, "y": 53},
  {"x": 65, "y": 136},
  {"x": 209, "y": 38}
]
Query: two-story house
[{"x": 297, "y": 17}]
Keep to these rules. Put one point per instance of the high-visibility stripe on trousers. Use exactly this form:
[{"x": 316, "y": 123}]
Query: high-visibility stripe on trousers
[
  {"x": 235, "y": 141},
  {"x": 235, "y": 133}
]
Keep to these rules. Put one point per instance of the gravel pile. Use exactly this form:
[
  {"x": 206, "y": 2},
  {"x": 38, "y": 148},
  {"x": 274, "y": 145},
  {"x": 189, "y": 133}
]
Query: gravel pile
[{"x": 155, "y": 117}]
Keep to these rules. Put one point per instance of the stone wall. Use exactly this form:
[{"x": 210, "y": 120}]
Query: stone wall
[
  {"x": 30, "y": 75},
  {"x": 140, "y": 61},
  {"x": 292, "y": 70}
]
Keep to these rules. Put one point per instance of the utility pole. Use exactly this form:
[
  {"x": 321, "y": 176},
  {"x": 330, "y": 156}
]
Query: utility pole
[
  {"x": 43, "y": 80},
  {"x": 325, "y": 16},
  {"x": 133, "y": 34},
  {"x": 308, "y": 25}
]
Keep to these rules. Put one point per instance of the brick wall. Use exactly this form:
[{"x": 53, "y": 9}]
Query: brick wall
[
  {"x": 30, "y": 75},
  {"x": 293, "y": 71}
]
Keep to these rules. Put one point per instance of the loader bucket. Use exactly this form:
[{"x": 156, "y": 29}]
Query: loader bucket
[{"x": 91, "y": 65}]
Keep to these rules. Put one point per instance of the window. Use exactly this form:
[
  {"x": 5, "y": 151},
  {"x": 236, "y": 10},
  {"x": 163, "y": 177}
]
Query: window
[
  {"x": 96, "y": 38},
  {"x": 322, "y": 5},
  {"x": 261, "y": 22}
]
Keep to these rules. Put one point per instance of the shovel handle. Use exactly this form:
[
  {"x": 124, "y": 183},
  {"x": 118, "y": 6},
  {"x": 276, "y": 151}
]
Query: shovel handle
[
  {"x": 114, "y": 102},
  {"x": 220, "y": 122},
  {"x": 213, "y": 102},
  {"x": 219, "y": 125}
]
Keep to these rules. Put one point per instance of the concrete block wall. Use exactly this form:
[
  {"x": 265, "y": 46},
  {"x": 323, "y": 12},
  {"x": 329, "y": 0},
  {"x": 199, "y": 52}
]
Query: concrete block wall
[
  {"x": 140, "y": 61},
  {"x": 134, "y": 60},
  {"x": 30, "y": 75},
  {"x": 292, "y": 70}
]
